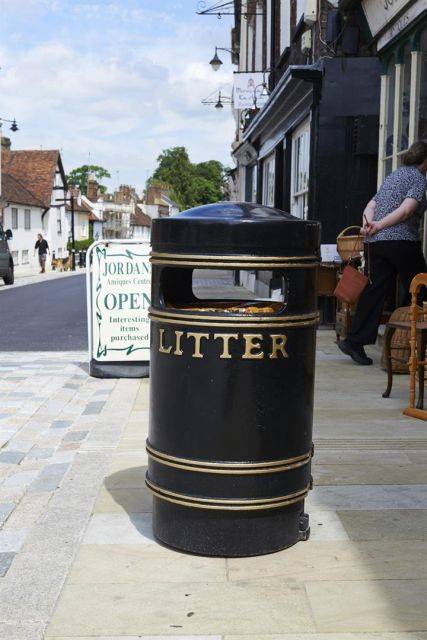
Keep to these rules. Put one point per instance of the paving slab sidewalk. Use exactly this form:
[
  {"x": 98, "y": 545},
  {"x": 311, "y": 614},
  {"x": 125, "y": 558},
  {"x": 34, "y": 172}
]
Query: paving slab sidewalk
[{"x": 77, "y": 556}]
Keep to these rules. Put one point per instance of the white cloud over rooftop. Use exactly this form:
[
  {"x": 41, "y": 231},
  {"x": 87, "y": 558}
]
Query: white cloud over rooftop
[{"x": 118, "y": 80}]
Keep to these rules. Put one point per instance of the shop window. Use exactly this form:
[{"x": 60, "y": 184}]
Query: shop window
[
  {"x": 25, "y": 259},
  {"x": 300, "y": 171},
  {"x": 403, "y": 115},
  {"x": 268, "y": 181},
  {"x": 406, "y": 99},
  {"x": 14, "y": 218},
  {"x": 389, "y": 131},
  {"x": 422, "y": 121},
  {"x": 250, "y": 183},
  {"x": 27, "y": 219}
]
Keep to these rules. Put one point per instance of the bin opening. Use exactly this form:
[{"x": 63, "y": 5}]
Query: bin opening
[
  {"x": 239, "y": 285},
  {"x": 228, "y": 291}
]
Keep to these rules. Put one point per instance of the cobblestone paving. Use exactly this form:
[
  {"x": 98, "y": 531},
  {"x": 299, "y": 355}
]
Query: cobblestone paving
[
  {"x": 55, "y": 444},
  {"x": 77, "y": 557}
]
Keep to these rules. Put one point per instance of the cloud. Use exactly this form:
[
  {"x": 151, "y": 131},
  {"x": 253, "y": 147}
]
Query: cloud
[{"x": 118, "y": 81}]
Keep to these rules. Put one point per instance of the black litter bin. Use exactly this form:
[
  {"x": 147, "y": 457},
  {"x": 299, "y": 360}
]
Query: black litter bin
[{"x": 230, "y": 436}]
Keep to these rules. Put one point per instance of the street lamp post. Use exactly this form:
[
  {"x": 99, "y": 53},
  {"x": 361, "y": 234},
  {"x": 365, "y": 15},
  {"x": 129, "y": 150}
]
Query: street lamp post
[
  {"x": 219, "y": 101},
  {"x": 14, "y": 127},
  {"x": 216, "y": 61},
  {"x": 71, "y": 200},
  {"x": 73, "y": 240}
]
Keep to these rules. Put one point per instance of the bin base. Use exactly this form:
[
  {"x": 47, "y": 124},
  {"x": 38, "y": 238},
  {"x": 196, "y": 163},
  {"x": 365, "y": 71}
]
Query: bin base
[
  {"x": 119, "y": 369},
  {"x": 229, "y": 533}
]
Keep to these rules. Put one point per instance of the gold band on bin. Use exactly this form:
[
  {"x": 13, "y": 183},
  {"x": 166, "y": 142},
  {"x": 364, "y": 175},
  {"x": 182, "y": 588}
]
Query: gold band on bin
[
  {"x": 248, "y": 322},
  {"x": 255, "y": 264},
  {"x": 226, "y": 318},
  {"x": 244, "y": 258},
  {"x": 229, "y": 468},
  {"x": 227, "y": 504}
]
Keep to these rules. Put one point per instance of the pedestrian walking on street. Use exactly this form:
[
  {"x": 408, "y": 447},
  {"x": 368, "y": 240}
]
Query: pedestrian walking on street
[
  {"x": 43, "y": 248},
  {"x": 391, "y": 224}
]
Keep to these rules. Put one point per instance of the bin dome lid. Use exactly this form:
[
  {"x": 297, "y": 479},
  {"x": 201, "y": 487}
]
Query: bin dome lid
[{"x": 236, "y": 228}]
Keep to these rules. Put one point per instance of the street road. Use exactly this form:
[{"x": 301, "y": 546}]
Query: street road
[{"x": 47, "y": 316}]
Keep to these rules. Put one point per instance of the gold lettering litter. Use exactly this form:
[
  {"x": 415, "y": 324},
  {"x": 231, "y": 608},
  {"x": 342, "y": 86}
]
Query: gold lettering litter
[{"x": 250, "y": 346}]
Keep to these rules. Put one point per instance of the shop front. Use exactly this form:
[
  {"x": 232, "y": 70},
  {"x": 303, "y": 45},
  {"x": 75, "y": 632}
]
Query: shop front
[
  {"x": 399, "y": 28},
  {"x": 312, "y": 149}
]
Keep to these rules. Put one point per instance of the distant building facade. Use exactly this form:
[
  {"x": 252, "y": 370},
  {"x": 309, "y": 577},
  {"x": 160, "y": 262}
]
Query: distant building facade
[
  {"x": 158, "y": 203},
  {"x": 33, "y": 190},
  {"x": 82, "y": 215}
]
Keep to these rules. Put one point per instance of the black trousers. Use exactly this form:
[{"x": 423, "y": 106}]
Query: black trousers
[{"x": 387, "y": 258}]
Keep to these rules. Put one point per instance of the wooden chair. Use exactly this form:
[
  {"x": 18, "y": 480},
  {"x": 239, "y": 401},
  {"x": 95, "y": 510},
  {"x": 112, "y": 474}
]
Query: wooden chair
[{"x": 418, "y": 351}]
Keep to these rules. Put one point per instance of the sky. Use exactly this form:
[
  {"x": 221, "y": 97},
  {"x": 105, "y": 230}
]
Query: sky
[{"x": 113, "y": 83}]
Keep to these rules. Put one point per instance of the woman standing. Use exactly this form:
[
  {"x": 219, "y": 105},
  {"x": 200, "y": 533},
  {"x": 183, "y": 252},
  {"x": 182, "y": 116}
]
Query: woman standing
[{"x": 391, "y": 226}]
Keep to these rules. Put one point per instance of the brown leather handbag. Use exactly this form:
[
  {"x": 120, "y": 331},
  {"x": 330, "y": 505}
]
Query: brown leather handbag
[
  {"x": 353, "y": 282},
  {"x": 351, "y": 285}
]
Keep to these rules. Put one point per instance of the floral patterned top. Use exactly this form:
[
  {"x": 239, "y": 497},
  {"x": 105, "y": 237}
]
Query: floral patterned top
[{"x": 405, "y": 182}]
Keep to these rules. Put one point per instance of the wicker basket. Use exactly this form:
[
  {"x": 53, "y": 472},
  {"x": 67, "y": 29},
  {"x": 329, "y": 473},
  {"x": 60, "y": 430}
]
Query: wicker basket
[
  {"x": 349, "y": 246},
  {"x": 399, "y": 343}
]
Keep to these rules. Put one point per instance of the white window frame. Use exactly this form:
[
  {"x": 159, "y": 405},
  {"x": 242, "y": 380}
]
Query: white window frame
[
  {"x": 250, "y": 48},
  {"x": 415, "y": 85},
  {"x": 268, "y": 180},
  {"x": 15, "y": 220},
  {"x": 300, "y": 171},
  {"x": 15, "y": 257},
  {"x": 259, "y": 37},
  {"x": 285, "y": 25},
  {"x": 27, "y": 219},
  {"x": 25, "y": 258},
  {"x": 268, "y": 33},
  {"x": 253, "y": 175},
  {"x": 300, "y": 9}
]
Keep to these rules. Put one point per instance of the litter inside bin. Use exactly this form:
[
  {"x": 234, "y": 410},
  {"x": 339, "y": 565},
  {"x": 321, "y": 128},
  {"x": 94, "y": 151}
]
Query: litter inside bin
[{"x": 233, "y": 307}]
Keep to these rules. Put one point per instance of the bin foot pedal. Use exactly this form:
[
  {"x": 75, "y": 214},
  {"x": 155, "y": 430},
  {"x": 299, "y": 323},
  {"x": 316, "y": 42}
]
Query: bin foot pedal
[{"x": 304, "y": 526}]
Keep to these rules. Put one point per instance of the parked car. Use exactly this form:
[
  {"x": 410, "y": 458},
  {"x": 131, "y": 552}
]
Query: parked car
[{"x": 6, "y": 260}]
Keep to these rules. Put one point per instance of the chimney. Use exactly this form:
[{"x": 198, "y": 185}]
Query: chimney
[
  {"x": 156, "y": 191},
  {"x": 124, "y": 194},
  {"x": 92, "y": 189},
  {"x": 5, "y": 144}
]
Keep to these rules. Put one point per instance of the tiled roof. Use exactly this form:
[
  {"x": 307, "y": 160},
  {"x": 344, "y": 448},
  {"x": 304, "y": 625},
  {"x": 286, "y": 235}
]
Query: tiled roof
[
  {"x": 14, "y": 192},
  {"x": 140, "y": 219},
  {"x": 34, "y": 170}
]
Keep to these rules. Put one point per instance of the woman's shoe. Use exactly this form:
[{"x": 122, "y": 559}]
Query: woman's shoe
[{"x": 355, "y": 351}]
